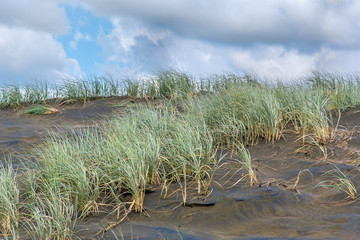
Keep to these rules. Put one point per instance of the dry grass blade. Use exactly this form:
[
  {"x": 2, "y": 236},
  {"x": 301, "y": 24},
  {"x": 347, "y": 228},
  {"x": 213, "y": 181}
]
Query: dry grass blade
[
  {"x": 41, "y": 110},
  {"x": 293, "y": 187},
  {"x": 309, "y": 142},
  {"x": 127, "y": 211}
]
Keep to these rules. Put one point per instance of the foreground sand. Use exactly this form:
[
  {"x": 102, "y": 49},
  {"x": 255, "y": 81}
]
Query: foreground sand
[{"x": 275, "y": 208}]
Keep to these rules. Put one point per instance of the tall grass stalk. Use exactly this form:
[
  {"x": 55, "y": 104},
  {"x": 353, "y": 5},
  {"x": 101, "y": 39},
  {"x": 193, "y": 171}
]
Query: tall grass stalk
[
  {"x": 246, "y": 162},
  {"x": 9, "y": 200}
]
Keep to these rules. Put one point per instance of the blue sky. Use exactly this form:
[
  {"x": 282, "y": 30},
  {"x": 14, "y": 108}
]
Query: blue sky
[
  {"x": 80, "y": 42},
  {"x": 279, "y": 39}
]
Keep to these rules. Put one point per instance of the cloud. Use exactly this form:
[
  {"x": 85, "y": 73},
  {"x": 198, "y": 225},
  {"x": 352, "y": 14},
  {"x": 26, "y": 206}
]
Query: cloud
[
  {"x": 138, "y": 49},
  {"x": 276, "y": 38},
  {"x": 135, "y": 47},
  {"x": 338, "y": 60},
  {"x": 244, "y": 22},
  {"x": 28, "y": 54},
  {"x": 39, "y": 15},
  {"x": 274, "y": 62},
  {"x": 29, "y": 44},
  {"x": 78, "y": 36}
]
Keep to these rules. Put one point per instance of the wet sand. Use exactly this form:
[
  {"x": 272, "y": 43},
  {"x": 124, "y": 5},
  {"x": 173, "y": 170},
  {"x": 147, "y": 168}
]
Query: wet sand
[{"x": 272, "y": 209}]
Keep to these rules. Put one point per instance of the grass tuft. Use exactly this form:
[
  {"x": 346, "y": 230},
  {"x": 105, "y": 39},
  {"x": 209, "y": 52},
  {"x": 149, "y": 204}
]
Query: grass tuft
[
  {"x": 338, "y": 181},
  {"x": 246, "y": 162},
  {"x": 40, "y": 110}
]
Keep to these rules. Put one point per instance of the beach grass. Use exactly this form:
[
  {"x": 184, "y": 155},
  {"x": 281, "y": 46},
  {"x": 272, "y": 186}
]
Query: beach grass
[
  {"x": 9, "y": 201},
  {"x": 50, "y": 216},
  {"x": 246, "y": 162},
  {"x": 40, "y": 110},
  {"x": 337, "y": 181},
  {"x": 174, "y": 141}
]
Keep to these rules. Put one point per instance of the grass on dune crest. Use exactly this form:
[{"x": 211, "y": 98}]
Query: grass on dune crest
[
  {"x": 75, "y": 89},
  {"x": 175, "y": 141}
]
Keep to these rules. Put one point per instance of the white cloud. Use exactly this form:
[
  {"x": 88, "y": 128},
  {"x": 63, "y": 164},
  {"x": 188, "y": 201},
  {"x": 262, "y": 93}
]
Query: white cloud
[
  {"x": 78, "y": 36},
  {"x": 338, "y": 60},
  {"x": 274, "y": 62},
  {"x": 275, "y": 38},
  {"x": 40, "y": 15},
  {"x": 27, "y": 54},
  {"x": 28, "y": 41},
  {"x": 134, "y": 48},
  {"x": 277, "y": 62},
  {"x": 238, "y": 22}
]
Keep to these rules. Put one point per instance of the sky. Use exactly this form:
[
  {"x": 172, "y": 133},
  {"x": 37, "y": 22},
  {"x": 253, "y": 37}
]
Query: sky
[{"x": 51, "y": 40}]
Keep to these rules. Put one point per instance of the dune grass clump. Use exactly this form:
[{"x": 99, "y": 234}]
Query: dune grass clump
[
  {"x": 75, "y": 89},
  {"x": 169, "y": 84},
  {"x": 243, "y": 113},
  {"x": 134, "y": 88},
  {"x": 152, "y": 146},
  {"x": 147, "y": 146},
  {"x": 50, "y": 216},
  {"x": 308, "y": 110},
  {"x": 10, "y": 96},
  {"x": 37, "y": 93},
  {"x": 64, "y": 165},
  {"x": 217, "y": 83},
  {"x": 16, "y": 96},
  {"x": 173, "y": 84},
  {"x": 247, "y": 110},
  {"x": 9, "y": 201},
  {"x": 343, "y": 90}
]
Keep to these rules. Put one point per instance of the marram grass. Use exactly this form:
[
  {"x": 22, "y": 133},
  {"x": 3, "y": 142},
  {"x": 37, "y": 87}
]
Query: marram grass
[
  {"x": 337, "y": 181},
  {"x": 175, "y": 141},
  {"x": 9, "y": 201}
]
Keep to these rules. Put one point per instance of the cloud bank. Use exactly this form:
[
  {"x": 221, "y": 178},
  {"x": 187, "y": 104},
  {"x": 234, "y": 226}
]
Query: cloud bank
[
  {"x": 278, "y": 39},
  {"x": 274, "y": 38},
  {"x": 28, "y": 45},
  {"x": 240, "y": 22}
]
